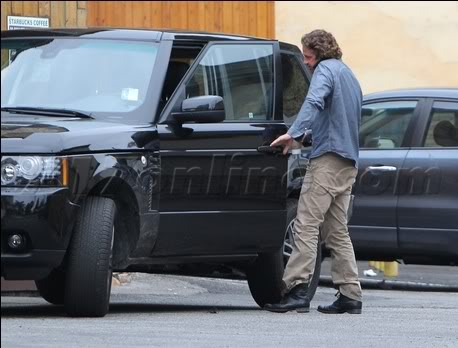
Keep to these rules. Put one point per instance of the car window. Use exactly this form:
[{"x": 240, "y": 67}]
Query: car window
[
  {"x": 101, "y": 77},
  {"x": 242, "y": 75},
  {"x": 384, "y": 124},
  {"x": 180, "y": 61},
  {"x": 295, "y": 87},
  {"x": 443, "y": 127}
]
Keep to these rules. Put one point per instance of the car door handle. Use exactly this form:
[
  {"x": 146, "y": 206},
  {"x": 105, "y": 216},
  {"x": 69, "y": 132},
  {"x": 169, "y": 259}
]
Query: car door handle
[
  {"x": 383, "y": 168},
  {"x": 270, "y": 149}
]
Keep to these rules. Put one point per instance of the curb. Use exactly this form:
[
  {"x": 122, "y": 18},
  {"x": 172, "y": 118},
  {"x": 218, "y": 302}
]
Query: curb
[{"x": 385, "y": 284}]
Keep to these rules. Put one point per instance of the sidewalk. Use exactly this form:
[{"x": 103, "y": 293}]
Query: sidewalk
[{"x": 410, "y": 277}]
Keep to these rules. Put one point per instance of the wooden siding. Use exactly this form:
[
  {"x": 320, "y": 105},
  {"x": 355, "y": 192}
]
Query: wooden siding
[{"x": 254, "y": 18}]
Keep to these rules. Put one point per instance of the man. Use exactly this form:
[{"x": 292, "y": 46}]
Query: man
[{"x": 332, "y": 110}]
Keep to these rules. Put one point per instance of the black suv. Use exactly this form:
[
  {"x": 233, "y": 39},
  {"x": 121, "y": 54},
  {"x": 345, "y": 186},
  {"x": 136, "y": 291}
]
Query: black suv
[{"x": 145, "y": 151}]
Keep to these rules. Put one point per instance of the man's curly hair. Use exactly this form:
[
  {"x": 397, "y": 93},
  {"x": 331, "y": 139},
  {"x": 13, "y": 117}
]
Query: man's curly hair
[{"x": 323, "y": 44}]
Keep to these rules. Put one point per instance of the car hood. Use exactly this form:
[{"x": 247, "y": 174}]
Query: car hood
[{"x": 63, "y": 135}]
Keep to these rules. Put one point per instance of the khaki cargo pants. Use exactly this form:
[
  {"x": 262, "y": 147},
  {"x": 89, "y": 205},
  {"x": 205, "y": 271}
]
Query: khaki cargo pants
[{"x": 323, "y": 204}]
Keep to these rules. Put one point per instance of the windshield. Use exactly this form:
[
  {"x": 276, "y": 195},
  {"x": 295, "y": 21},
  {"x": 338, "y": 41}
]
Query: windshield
[{"x": 107, "y": 79}]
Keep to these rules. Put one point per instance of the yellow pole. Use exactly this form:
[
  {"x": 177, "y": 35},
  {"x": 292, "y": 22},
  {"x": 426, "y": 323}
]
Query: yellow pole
[
  {"x": 391, "y": 269},
  {"x": 377, "y": 265}
]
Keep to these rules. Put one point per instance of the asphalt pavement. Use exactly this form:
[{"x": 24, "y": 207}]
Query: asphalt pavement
[{"x": 173, "y": 311}]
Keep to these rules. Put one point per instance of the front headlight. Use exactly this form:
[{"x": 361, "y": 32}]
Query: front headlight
[{"x": 34, "y": 171}]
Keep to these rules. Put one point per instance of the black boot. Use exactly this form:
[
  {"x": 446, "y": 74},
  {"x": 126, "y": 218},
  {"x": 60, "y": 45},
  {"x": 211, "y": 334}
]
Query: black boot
[
  {"x": 343, "y": 304},
  {"x": 296, "y": 299}
]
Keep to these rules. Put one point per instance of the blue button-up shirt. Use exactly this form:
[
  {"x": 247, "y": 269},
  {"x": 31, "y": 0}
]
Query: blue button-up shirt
[{"x": 332, "y": 110}]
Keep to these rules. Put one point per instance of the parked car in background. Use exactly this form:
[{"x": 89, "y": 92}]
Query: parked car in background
[
  {"x": 406, "y": 193},
  {"x": 145, "y": 151},
  {"x": 405, "y": 204}
]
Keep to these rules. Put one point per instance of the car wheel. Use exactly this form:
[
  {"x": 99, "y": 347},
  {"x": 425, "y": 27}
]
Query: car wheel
[
  {"x": 89, "y": 269},
  {"x": 265, "y": 274},
  {"x": 52, "y": 288}
]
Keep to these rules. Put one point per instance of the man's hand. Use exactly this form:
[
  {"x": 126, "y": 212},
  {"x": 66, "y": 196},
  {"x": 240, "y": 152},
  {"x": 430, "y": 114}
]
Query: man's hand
[{"x": 286, "y": 140}]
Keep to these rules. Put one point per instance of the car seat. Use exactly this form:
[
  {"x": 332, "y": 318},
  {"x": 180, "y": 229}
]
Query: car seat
[
  {"x": 445, "y": 134},
  {"x": 175, "y": 73}
]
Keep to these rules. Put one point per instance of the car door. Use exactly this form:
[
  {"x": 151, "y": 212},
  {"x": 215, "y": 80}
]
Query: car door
[
  {"x": 219, "y": 194},
  {"x": 385, "y": 135},
  {"x": 428, "y": 201},
  {"x": 295, "y": 85}
]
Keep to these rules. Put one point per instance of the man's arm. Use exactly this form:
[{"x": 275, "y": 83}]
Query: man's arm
[{"x": 320, "y": 87}]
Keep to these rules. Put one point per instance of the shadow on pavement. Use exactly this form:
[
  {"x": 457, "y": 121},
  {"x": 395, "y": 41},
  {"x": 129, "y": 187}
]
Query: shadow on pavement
[{"x": 31, "y": 311}]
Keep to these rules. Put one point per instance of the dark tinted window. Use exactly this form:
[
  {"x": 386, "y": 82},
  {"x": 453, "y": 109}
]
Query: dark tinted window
[{"x": 295, "y": 87}]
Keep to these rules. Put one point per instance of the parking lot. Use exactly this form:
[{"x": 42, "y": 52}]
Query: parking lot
[{"x": 159, "y": 310}]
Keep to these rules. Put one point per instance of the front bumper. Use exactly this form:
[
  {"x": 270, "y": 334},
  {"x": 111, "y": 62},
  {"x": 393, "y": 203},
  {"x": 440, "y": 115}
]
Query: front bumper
[{"x": 45, "y": 218}]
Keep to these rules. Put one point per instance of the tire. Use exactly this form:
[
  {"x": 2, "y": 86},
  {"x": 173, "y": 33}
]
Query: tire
[
  {"x": 89, "y": 270},
  {"x": 52, "y": 288},
  {"x": 265, "y": 275}
]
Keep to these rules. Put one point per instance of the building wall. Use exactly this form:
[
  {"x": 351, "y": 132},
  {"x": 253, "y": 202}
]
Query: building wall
[
  {"x": 388, "y": 44},
  {"x": 254, "y": 18},
  {"x": 61, "y": 14}
]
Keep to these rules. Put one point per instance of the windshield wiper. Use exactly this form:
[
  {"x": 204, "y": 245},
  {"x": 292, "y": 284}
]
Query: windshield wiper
[{"x": 52, "y": 112}]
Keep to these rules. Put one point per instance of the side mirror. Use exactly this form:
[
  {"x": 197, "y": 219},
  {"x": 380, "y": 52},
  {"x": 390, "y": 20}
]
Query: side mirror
[{"x": 204, "y": 109}]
